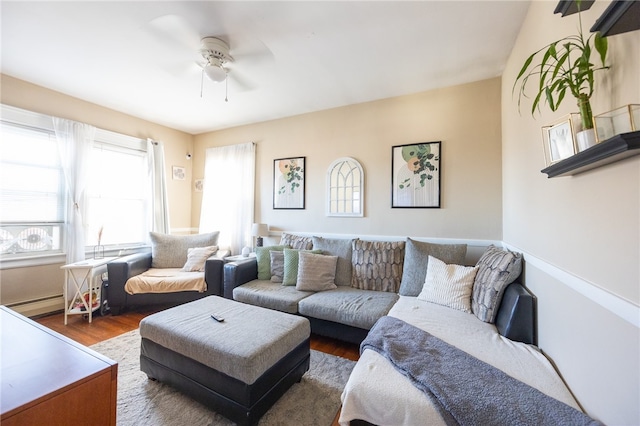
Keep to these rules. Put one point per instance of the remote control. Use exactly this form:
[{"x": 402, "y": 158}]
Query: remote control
[{"x": 219, "y": 319}]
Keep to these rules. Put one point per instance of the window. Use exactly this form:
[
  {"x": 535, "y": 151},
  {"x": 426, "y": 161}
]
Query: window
[
  {"x": 119, "y": 191},
  {"x": 31, "y": 190},
  {"x": 33, "y": 196}
]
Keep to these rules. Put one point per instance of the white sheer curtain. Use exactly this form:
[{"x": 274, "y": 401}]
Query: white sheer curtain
[
  {"x": 159, "y": 214},
  {"x": 75, "y": 145},
  {"x": 228, "y": 194}
]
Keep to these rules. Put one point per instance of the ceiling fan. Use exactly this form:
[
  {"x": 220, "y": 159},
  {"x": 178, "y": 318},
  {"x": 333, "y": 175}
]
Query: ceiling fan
[
  {"x": 177, "y": 37},
  {"x": 216, "y": 54}
]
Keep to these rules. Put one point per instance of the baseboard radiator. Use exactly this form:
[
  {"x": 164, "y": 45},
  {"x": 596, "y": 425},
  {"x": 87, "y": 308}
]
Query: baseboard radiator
[
  {"x": 31, "y": 308},
  {"x": 46, "y": 305}
]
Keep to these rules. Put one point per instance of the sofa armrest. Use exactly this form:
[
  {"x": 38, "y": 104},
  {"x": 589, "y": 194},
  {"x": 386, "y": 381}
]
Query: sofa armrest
[
  {"x": 238, "y": 273},
  {"x": 120, "y": 270},
  {"x": 213, "y": 275},
  {"x": 516, "y": 316}
]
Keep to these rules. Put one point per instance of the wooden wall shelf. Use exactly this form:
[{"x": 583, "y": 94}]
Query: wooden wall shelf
[{"x": 614, "y": 149}]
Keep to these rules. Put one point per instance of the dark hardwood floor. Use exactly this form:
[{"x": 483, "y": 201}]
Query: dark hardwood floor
[{"x": 108, "y": 326}]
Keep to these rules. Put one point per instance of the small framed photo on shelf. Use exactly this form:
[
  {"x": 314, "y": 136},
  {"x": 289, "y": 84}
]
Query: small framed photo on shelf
[
  {"x": 178, "y": 173},
  {"x": 415, "y": 175},
  {"x": 288, "y": 183},
  {"x": 559, "y": 140}
]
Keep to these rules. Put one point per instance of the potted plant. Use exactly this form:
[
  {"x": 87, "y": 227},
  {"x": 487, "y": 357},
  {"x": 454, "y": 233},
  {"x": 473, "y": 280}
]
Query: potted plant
[{"x": 565, "y": 65}]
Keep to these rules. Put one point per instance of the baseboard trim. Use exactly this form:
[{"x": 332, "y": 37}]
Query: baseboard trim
[
  {"x": 618, "y": 306},
  {"x": 38, "y": 307}
]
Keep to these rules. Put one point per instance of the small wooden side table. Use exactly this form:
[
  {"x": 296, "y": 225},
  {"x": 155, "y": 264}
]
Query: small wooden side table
[{"x": 81, "y": 274}]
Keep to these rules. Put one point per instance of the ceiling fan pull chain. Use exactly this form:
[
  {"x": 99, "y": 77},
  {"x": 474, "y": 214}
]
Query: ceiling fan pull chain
[
  {"x": 201, "y": 82},
  {"x": 226, "y": 89}
]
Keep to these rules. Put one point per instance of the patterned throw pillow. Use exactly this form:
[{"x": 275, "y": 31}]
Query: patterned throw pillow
[
  {"x": 277, "y": 265},
  {"x": 196, "y": 258},
  {"x": 296, "y": 241},
  {"x": 416, "y": 258},
  {"x": 497, "y": 269},
  {"x": 342, "y": 249},
  {"x": 377, "y": 265},
  {"x": 170, "y": 251},
  {"x": 263, "y": 257},
  {"x": 448, "y": 285},
  {"x": 316, "y": 272},
  {"x": 291, "y": 258}
]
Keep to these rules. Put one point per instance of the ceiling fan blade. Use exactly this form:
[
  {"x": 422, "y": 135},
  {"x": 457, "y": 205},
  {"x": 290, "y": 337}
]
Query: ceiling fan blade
[
  {"x": 248, "y": 49},
  {"x": 238, "y": 81},
  {"x": 174, "y": 30}
]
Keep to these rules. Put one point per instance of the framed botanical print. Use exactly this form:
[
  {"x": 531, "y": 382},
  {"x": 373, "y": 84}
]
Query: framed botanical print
[
  {"x": 415, "y": 175},
  {"x": 288, "y": 183}
]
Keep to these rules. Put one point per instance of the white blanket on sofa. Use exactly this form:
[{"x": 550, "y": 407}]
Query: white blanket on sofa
[
  {"x": 379, "y": 394},
  {"x": 166, "y": 280}
]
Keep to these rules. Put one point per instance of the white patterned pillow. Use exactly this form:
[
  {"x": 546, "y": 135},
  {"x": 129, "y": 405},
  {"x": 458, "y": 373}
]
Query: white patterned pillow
[
  {"x": 196, "y": 258},
  {"x": 448, "y": 285},
  {"x": 316, "y": 272},
  {"x": 296, "y": 241},
  {"x": 497, "y": 269}
]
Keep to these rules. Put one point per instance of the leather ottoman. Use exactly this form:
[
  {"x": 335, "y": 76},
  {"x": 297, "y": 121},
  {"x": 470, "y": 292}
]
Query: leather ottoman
[{"x": 238, "y": 367}]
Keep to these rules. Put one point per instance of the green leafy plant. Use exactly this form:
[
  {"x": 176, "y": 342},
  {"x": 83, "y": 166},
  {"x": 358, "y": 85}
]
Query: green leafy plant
[{"x": 566, "y": 66}]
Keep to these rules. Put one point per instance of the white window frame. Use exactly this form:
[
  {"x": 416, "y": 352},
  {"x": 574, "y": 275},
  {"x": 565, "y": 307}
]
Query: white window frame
[
  {"x": 337, "y": 173},
  {"x": 42, "y": 122}
]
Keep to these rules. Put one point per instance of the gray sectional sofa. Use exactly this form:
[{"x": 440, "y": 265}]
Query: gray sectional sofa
[{"x": 370, "y": 276}]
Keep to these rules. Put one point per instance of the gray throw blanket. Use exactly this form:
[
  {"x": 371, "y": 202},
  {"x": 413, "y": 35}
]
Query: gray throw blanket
[{"x": 465, "y": 390}]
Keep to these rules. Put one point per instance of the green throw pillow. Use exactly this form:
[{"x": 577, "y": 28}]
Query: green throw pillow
[
  {"x": 264, "y": 260},
  {"x": 291, "y": 260}
]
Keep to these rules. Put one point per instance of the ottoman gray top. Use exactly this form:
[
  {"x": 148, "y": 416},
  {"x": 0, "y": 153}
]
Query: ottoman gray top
[{"x": 249, "y": 341}]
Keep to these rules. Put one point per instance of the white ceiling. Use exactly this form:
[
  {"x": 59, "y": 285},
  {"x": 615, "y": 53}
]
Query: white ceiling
[{"x": 291, "y": 57}]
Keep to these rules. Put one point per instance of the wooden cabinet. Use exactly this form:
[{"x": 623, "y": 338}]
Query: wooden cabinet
[{"x": 50, "y": 379}]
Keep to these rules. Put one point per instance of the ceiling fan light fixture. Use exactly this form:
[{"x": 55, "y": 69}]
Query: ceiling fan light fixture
[{"x": 215, "y": 73}]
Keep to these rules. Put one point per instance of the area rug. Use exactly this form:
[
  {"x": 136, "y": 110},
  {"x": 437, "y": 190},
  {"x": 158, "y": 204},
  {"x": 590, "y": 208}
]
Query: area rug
[{"x": 313, "y": 401}]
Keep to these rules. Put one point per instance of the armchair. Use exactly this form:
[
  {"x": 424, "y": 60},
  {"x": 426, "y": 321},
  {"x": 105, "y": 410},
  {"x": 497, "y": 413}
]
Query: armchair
[{"x": 167, "y": 251}]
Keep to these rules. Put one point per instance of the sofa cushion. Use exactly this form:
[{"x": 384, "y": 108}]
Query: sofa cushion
[
  {"x": 316, "y": 272},
  {"x": 296, "y": 241},
  {"x": 448, "y": 285},
  {"x": 170, "y": 251},
  {"x": 277, "y": 265},
  {"x": 377, "y": 265},
  {"x": 270, "y": 295},
  {"x": 263, "y": 257},
  {"x": 416, "y": 259},
  {"x": 196, "y": 258},
  {"x": 497, "y": 269},
  {"x": 291, "y": 260},
  {"x": 348, "y": 305},
  {"x": 342, "y": 249}
]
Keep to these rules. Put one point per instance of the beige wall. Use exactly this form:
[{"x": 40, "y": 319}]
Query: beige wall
[
  {"x": 465, "y": 118},
  {"x": 580, "y": 234},
  {"x": 43, "y": 281}
]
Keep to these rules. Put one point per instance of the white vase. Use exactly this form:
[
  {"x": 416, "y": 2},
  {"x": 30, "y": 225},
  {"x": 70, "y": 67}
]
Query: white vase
[
  {"x": 246, "y": 251},
  {"x": 585, "y": 139}
]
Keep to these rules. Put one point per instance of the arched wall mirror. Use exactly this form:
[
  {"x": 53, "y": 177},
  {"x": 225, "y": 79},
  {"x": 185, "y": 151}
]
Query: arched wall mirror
[{"x": 345, "y": 188}]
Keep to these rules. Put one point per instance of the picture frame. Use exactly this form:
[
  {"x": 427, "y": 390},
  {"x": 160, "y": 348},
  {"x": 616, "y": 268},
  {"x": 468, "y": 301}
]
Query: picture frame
[
  {"x": 559, "y": 140},
  {"x": 198, "y": 185},
  {"x": 178, "y": 173},
  {"x": 415, "y": 175},
  {"x": 289, "y": 183}
]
